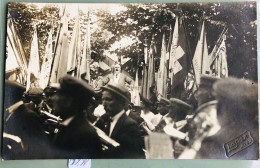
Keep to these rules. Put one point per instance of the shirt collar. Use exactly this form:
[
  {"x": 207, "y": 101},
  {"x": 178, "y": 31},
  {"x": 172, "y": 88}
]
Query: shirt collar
[
  {"x": 118, "y": 115},
  {"x": 127, "y": 112}
]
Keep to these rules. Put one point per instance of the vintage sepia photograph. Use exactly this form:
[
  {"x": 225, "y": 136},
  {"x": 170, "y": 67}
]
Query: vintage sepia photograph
[{"x": 131, "y": 81}]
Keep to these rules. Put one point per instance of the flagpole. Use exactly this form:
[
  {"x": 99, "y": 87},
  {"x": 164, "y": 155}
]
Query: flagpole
[
  {"x": 219, "y": 42},
  {"x": 203, "y": 40}
]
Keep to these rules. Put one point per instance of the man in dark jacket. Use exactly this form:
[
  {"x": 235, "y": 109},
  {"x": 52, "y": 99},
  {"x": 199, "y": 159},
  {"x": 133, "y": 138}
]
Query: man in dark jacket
[
  {"x": 77, "y": 138},
  {"x": 118, "y": 125}
]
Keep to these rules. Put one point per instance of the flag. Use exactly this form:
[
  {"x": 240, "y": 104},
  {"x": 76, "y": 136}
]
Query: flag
[
  {"x": 59, "y": 67},
  {"x": 219, "y": 58},
  {"x": 135, "y": 93},
  {"x": 201, "y": 59},
  {"x": 72, "y": 54},
  {"x": 173, "y": 62},
  {"x": 86, "y": 56},
  {"x": 78, "y": 55},
  {"x": 169, "y": 45},
  {"x": 64, "y": 47},
  {"x": 178, "y": 63},
  {"x": 162, "y": 72},
  {"x": 34, "y": 64},
  {"x": 15, "y": 53},
  {"x": 151, "y": 72},
  {"x": 58, "y": 45},
  {"x": 145, "y": 73},
  {"x": 47, "y": 63},
  {"x": 223, "y": 71}
]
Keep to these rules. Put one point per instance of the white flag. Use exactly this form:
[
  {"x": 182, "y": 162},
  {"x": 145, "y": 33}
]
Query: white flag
[
  {"x": 135, "y": 97},
  {"x": 201, "y": 59},
  {"x": 162, "y": 72},
  {"x": 47, "y": 62},
  {"x": 34, "y": 65}
]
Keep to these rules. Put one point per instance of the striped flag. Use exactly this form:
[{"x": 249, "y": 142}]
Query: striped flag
[
  {"x": 47, "y": 62},
  {"x": 162, "y": 72},
  {"x": 219, "y": 59},
  {"x": 34, "y": 64},
  {"x": 223, "y": 67},
  {"x": 200, "y": 60}
]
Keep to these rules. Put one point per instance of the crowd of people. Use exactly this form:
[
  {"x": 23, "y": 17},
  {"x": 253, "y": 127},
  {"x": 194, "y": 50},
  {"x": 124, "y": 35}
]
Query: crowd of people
[{"x": 61, "y": 122}]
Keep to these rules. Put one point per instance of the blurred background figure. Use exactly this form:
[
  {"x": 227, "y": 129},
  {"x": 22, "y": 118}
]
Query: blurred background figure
[
  {"x": 163, "y": 109},
  {"x": 26, "y": 127},
  {"x": 151, "y": 119},
  {"x": 77, "y": 138},
  {"x": 235, "y": 133},
  {"x": 48, "y": 94},
  {"x": 118, "y": 78},
  {"x": 237, "y": 114},
  {"x": 179, "y": 111},
  {"x": 205, "y": 113}
]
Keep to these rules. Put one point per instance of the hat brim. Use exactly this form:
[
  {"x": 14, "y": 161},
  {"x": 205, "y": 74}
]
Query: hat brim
[
  {"x": 180, "y": 102},
  {"x": 116, "y": 92}
]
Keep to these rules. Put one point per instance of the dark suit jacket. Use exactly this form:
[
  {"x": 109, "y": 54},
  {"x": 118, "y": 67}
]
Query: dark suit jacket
[
  {"x": 78, "y": 140},
  {"x": 127, "y": 133},
  {"x": 26, "y": 124}
]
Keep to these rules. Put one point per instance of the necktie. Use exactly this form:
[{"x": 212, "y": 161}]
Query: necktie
[{"x": 107, "y": 125}]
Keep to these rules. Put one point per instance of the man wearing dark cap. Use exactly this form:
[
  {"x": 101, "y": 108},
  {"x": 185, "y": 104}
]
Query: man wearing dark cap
[
  {"x": 118, "y": 125},
  {"x": 162, "y": 108},
  {"x": 77, "y": 138},
  {"x": 180, "y": 109}
]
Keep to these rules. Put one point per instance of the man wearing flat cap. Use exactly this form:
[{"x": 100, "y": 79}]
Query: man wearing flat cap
[
  {"x": 77, "y": 138},
  {"x": 118, "y": 125},
  {"x": 179, "y": 111}
]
